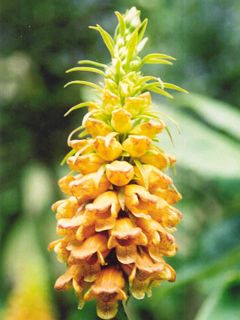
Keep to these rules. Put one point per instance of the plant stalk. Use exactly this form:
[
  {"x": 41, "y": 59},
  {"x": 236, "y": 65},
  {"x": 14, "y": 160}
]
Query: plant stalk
[{"x": 122, "y": 313}]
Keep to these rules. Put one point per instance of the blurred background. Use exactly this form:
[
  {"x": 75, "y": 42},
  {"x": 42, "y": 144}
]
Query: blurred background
[{"x": 39, "y": 40}]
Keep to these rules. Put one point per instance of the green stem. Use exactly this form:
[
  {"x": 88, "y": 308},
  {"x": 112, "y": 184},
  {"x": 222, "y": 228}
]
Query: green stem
[{"x": 122, "y": 314}]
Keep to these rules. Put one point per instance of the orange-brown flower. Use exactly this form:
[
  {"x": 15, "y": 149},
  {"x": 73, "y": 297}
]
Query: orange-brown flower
[
  {"x": 141, "y": 203},
  {"x": 60, "y": 248},
  {"x": 107, "y": 290},
  {"x": 155, "y": 177},
  {"x": 110, "y": 101},
  {"x": 64, "y": 184},
  {"x": 85, "y": 164},
  {"x": 125, "y": 237},
  {"x": 108, "y": 148},
  {"x": 103, "y": 211},
  {"x": 136, "y": 146},
  {"x": 89, "y": 186},
  {"x": 96, "y": 127},
  {"x": 170, "y": 195},
  {"x": 66, "y": 208},
  {"x": 146, "y": 273},
  {"x": 89, "y": 254},
  {"x": 121, "y": 120},
  {"x": 83, "y": 146},
  {"x": 73, "y": 277},
  {"x": 149, "y": 128},
  {"x": 160, "y": 242},
  {"x": 119, "y": 173},
  {"x": 139, "y": 104},
  {"x": 156, "y": 158}
]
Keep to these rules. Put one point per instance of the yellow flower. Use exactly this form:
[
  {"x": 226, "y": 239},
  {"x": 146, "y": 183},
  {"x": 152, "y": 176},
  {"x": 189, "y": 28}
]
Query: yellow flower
[
  {"x": 139, "y": 104},
  {"x": 66, "y": 208},
  {"x": 96, "y": 127},
  {"x": 91, "y": 250},
  {"x": 156, "y": 159},
  {"x": 149, "y": 128},
  {"x": 59, "y": 246},
  {"x": 121, "y": 120},
  {"x": 110, "y": 101},
  {"x": 170, "y": 195},
  {"x": 88, "y": 187},
  {"x": 160, "y": 242},
  {"x": 141, "y": 203},
  {"x": 108, "y": 148},
  {"x": 125, "y": 237},
  {"x": 103, "y": 211},
  {"x": 73, "y": 277},
  {"x": 146, "y": 273},
  {"x": 64, "y": 182},
  {"x": 119, "y": 173},
  {"x": 155, "y": 177},
  {"x": 68, "y": 226},
  {"x": 84, "y": 145},
  {"x": 136, "y": 146},
  {"x": 107, "y": 289},
  {"x": 85, "y": 164},
  {"x": 167, "y": 216}
]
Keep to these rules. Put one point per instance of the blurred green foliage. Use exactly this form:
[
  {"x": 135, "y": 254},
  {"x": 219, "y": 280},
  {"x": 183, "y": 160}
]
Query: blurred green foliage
[{"x": 39, "y": 40}]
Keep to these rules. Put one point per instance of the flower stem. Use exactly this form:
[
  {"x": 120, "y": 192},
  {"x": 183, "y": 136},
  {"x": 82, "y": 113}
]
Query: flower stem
[{"x": 122, "y": 314}]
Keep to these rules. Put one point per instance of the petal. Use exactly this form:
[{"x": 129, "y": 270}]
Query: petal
[
  {"x": 107, "y": 310},
  {"x": 121, "y": 120},
  {"x": 126, "y": 254},
  {"x": 85, "y": 251},
  {"x": 83, "y": 145},
  {"x": 149, "y": 129},
  {"x": 64, "y": 282},
  {"x": 107, "y": 201},
  {"x": 169, "y": 195},
  {"x": 85, "y": 164},
  {"x": 139, "y": 104},
  {"x": 97, "y": 127},
  {"x": 136, "y": 146},
  {"x": 110, "y": 101},
  {"x": 155, "y": 177},
  {"x": 64, "y": 184},
  {"x": 119, "y": 173},
  {"x": 87, "y": 187},
  {"x": 159, "y": 160},
  {"x": 108, "y": 150}
]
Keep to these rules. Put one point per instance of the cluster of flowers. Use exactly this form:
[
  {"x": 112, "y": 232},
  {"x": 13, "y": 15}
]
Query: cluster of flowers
[{"x": 118, "y": 218}]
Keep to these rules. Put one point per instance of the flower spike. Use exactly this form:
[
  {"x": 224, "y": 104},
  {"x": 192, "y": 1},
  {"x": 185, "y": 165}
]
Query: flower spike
[{"x": 117, "y": 219}]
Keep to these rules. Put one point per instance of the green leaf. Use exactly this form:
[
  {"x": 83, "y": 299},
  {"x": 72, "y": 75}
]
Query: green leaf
[
  {"x": 160, "y": 91},
  {"x": 222, "y": 304},
  {"x": 88, "y": 69},
  {"x": 69, "y": 154},
  {"x": 121, "y": 22},
  {"x": 217, "y": 113},
  {"x": 132, "y": 45},
  {"x": 202, "y": 149},
  {"x": 106, "y": 38},
  {"x": 174, "y": 87},
  {"x": 78, "y": 106},
  {"x": 94, "y": 63},
  {"x": 142, "y": 29},
  {"x": 158, "y": 56},
  {"x": 86, "y": 83},
  {"x": 158, "y": 61}
]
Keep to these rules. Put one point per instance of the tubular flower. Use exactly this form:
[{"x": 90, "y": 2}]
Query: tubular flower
[{"x": 117, "y": 221}]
